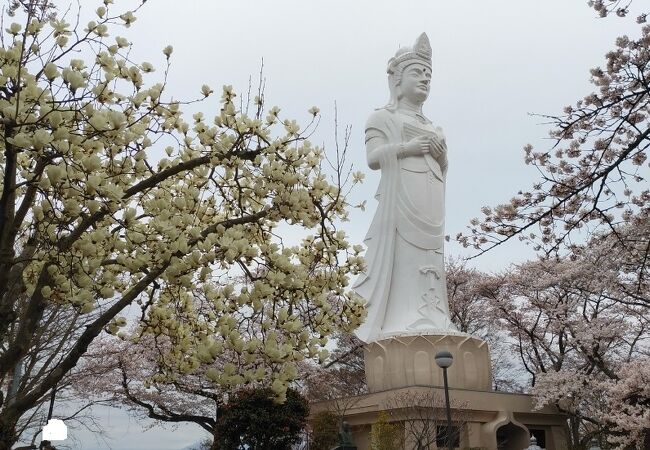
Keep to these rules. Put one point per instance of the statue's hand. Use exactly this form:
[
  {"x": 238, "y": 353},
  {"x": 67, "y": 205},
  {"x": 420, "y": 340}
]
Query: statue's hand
[
  {"x": 416, "y": 147},
  {"x": 438, "y": 149}
]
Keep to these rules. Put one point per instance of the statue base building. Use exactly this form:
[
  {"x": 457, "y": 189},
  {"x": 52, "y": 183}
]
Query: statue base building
[
  {"x": 405, "y": 382},
  {"x": 410, "y": 361}
]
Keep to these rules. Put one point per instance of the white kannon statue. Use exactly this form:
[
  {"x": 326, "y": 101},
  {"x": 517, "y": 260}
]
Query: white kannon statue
[{"x": 404, "y": 283}]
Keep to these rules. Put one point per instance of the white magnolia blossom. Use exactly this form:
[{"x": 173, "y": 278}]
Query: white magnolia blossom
[{"x": 95, "y": 220}]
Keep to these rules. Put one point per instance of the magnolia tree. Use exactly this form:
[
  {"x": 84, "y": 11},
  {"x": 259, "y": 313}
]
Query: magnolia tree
[{"x": 110, "y": 198}]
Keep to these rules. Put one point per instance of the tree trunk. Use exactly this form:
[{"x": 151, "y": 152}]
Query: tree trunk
[
  {"x": 215, "y": 441},
  {"x": 7, "y": 432}
]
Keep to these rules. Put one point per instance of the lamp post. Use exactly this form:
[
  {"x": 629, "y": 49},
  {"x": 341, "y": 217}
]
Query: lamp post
[{"x": 444, "y": 359}]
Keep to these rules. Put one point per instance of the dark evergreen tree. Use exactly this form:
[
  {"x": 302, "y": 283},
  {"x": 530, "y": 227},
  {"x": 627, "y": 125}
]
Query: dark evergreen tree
[{"x": 253, "y": 419}]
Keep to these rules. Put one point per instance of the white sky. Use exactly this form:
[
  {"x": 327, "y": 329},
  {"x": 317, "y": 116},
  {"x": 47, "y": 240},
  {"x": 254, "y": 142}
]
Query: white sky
[{"x": 494, "y": 63}]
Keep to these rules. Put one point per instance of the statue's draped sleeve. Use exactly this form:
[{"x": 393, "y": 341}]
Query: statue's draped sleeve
[{"x": 382, "y": 144}]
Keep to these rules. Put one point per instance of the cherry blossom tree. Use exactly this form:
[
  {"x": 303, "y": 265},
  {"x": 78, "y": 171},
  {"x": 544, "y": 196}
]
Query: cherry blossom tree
[
  {"x": 619, "y": 7},
  {"x": 595, "y": 176},
  {"x": 582, "y": 335},
  {"x": 111, "y": 198},
  {"x": 341, "y": 375},
  {"x": 123, "y": 374},
  {"x": 471, "y": 292},
  {"x": 579, "y": 317},
  {"x": 51, "y": 340}
]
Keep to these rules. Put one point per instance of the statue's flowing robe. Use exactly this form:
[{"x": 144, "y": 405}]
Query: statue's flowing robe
[{"x": 404, "y": 281}]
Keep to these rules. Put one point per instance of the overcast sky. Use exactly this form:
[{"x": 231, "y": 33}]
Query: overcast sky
[{"x": 494, "y": 64}]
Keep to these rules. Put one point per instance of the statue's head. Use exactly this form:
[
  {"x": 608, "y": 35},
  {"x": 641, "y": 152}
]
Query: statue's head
[{"x": 409, "y": 72}]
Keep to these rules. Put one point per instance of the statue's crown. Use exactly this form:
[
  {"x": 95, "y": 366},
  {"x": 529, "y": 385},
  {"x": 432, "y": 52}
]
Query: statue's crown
[{"x": 420, "y": 52}]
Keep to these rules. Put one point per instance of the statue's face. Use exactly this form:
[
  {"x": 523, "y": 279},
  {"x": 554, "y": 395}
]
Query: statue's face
[{"x": 415, "y": 82}]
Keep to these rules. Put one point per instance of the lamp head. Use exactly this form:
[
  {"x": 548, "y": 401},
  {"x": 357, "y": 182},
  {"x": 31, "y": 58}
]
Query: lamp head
[{"x": 444, "y": 359}]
